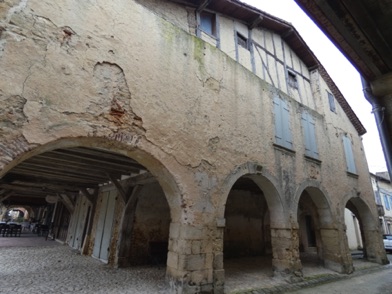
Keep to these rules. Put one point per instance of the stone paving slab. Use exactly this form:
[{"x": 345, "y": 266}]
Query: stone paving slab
[
  {"x": 59, "y": 269},
  {"x": 29, "y": 264},
  {"x": 26, "y": 239}
]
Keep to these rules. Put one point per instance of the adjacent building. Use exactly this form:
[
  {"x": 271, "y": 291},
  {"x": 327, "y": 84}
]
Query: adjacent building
[
  {"x": 180, "y": 132},
  {"x": 383, "y": 194}
]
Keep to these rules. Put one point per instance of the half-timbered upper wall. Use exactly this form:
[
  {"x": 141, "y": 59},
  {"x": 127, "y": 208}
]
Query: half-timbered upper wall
[{"x": 265, "y": 53}]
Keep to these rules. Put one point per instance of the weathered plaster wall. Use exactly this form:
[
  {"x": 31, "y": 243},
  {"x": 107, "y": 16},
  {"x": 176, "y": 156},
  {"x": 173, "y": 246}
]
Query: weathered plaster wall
[{"x": 116, "y": 75}]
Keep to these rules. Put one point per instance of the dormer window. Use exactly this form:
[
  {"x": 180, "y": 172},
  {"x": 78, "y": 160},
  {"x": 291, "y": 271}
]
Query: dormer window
[
  {"x": 208, "y": 23},
  {"x": 242, "y": 41}
]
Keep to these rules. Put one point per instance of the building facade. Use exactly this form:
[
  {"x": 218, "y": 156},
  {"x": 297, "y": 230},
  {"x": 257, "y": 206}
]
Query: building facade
[
  {"x": 383, "y": 195},
  {"x": 182, "y": 133}
]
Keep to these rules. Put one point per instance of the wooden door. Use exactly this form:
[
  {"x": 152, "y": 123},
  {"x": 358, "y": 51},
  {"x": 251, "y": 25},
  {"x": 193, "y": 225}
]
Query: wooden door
[
  {"x": 78, "y": 226},
  {"x": 104, "y": 226}
]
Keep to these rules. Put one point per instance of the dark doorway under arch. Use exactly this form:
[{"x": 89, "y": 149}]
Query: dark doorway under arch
[{"x": 247, "y": 237}]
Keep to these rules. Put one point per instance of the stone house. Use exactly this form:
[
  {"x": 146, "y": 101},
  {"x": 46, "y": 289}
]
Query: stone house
[
  {"x": 184, "y": 132},
  {"x": 382, "y": 188}
]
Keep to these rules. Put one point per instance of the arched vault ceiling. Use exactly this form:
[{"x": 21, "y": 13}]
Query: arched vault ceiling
[{"x": 67, "y": 171}]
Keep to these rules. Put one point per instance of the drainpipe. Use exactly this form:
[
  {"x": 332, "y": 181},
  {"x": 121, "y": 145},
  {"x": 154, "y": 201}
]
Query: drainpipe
[{"x": 379, "y": 115}]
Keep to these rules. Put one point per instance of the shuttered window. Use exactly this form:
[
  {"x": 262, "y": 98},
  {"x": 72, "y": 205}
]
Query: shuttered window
[
  {"x": 378, "y": 198},
  {"x": 282, "y": 123},
  {"x": 349, "y": 155},
  {"x": 309, "y": 128},
  {"x": 387, "y": 206},
  {"x": 331, "y": 100},
  {"x": 207, "y": 23}
]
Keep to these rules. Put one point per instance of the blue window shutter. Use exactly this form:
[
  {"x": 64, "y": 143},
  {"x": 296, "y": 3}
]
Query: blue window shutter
[
  {"x": 349, "y": 155},
  {"x": 282, "y": 123},
  {"x": 278, "y": 121},
  {"x": 309, "y": 127},
  {"x": 312, "y": 135},
  {"x": 378, "y": 198},
  {"x": 387, "y": 207},
  {"x": 331, "y": 100},
  {"x": 288, "y": 141},
  {"x": 207, "y": 22},
  {"x": 305, "y": 126}
]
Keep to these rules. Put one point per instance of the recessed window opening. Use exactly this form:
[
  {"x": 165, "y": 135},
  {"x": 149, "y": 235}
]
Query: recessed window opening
[
  {"x": 309, "y": 128},
  {"x": 347, "y": 144},
  {"x": 292, "y": 79},
  {"x": 208, "y": 23},
  {"x": 242, "y": 41},
  {"x": 282, "y": 123},
  {"x": 331, "y": 100}
]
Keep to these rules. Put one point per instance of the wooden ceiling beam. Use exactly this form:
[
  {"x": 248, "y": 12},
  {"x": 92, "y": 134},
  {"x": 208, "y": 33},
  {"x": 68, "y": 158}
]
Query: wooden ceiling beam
[
  {"x": 48, "y": 176},
  {"x": 54, "y": 173},
  {"x": 84, "y": 160},
  {"x": 142, "y": 179},
  {"x": 37, "y": 181},
  {"x": 122, "y": 161},
  {"x": 32, "y": 189},
  {"x": 62, "y": 170},
  {"x": 45, "y": 185},
  {"x": 6, "y": 195}
]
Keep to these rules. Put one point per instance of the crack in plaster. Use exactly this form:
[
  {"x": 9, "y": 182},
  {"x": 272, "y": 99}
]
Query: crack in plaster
[
  {"x": 2, "y": 46},
  {"x": 17, "y": 8}
]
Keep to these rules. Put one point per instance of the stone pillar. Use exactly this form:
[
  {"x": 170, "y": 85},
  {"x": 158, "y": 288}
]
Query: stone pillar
[
  {"x": 335, "y": 250},
  {"x": 285, "y": 251},
  {"x": 191, "y": 260},
  {"x": 374, "y": 248}
]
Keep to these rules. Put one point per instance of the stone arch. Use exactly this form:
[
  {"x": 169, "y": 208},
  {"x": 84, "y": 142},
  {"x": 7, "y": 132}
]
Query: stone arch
[
  {"x": 277, "y": 230},
  {"x": 5, "y": 209},
  {"x": 315, "y": 216},
  {"x": 369, "y": 229},
  {"x": 320, "y": 198},
  {"x": 266, "y": 182},
  {"x": 360, "y": 207},
  {"x": 129, "y": 145}
]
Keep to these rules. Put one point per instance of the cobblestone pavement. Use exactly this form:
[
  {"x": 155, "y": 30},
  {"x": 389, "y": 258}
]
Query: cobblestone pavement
[{"x": 32, "y": 265}]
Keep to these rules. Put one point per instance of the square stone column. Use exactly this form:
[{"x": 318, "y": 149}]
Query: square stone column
[
  {"x": 285, "y": 250},
  {"x": 335, "y": 251},
  {"x": 195, "y": 263},
  {"x": 374, "y": 248}
]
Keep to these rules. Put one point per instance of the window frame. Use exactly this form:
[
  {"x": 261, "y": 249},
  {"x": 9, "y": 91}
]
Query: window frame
[
  {"x": 242, "y": 41},
  {"x": 349, "y": 154},
  {"x": 331, "y": 101},
  {"x": 292, "y": 79},
  {"x": 386, "y": 201},
  {"x": 213, "y": 23},
  {"x": 309, "y": 132},
  {"x": 283, "y": 133}
]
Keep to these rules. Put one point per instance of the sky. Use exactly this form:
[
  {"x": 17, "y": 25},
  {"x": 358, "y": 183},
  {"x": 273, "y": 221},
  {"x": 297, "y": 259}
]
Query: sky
[{"x": 339, "y": 68}]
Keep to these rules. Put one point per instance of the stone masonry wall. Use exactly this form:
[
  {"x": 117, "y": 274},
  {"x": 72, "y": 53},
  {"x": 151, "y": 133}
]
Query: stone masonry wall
[{"x": 118, "y": 76}]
